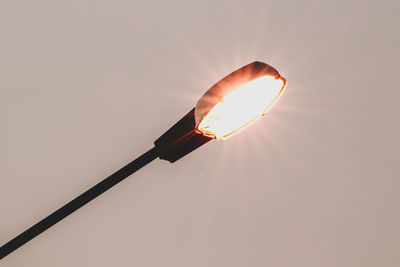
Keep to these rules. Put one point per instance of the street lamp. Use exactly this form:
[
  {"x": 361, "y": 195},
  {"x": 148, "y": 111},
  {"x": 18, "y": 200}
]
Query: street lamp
[{"x": 227, "y": 107}]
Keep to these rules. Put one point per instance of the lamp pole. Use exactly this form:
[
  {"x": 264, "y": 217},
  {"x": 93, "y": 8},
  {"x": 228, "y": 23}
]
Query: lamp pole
[{"x": 78, "y": 202}]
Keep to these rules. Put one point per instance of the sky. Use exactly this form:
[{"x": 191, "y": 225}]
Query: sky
[{"x": 87, "y": 86}]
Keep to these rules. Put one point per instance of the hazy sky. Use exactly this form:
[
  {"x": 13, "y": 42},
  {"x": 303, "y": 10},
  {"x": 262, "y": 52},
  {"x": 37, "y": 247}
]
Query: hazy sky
[{"x": 87, "y": 86}]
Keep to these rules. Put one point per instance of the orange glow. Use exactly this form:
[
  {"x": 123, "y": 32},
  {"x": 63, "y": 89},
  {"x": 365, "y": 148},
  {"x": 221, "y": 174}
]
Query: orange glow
[{"x": 241, "y": 106}]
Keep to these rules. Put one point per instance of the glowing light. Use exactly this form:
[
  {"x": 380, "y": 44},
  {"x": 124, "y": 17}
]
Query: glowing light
[{"x": 241, "y": 106}]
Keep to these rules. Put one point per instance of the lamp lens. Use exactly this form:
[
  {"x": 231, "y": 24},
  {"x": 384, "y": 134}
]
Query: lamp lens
[{"x": 241, "y": 107}]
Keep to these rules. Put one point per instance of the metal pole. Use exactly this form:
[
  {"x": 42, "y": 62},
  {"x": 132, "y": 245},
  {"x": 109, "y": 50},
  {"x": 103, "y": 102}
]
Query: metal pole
[{"x": 78, "y": 202}]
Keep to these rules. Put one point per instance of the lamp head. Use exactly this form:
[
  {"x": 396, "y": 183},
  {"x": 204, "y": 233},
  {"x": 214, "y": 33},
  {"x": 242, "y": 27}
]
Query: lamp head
[
  {"x": 230, "y": 105},
  {"x": 238, "y": 100}
]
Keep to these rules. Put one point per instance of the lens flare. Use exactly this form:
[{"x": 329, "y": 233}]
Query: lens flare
[{"x": 241, "y": 106}]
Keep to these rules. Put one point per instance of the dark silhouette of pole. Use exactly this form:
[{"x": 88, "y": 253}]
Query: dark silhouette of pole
[{"x": 78, "y": 202}]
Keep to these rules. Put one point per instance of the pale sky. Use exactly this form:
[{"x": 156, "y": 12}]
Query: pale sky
[{"x": 87, "y": 86}]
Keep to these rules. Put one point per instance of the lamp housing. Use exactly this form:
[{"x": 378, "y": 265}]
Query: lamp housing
[{"x": 230, "y": 105}]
